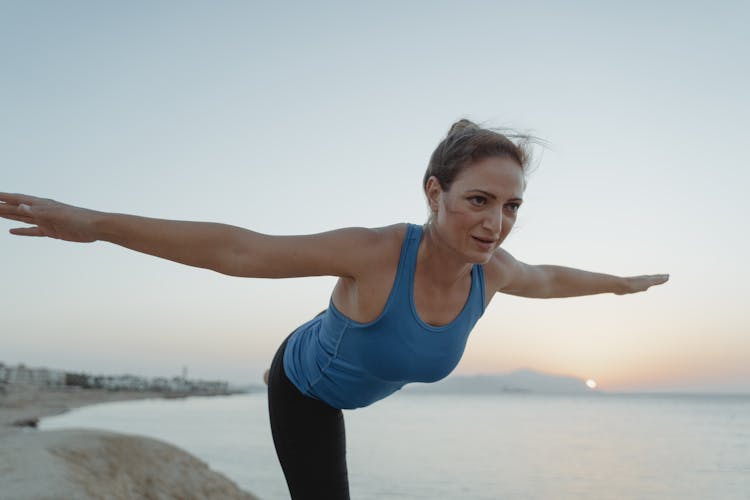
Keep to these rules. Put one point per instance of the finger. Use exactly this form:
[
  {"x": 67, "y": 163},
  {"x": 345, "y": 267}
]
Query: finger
[
  {"x": 19, "y": 218},
  {"x": 27, "y": 231},
  {"x": 655, "y": 280},
  {"x": 17, "y": 198},
  {"x": 8, "y": 208},
  {"x": 21, "y": 209}
]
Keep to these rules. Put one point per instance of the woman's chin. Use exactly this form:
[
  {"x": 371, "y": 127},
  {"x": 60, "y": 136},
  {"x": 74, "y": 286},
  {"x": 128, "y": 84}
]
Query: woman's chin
[{"x": 480, "y": 257}]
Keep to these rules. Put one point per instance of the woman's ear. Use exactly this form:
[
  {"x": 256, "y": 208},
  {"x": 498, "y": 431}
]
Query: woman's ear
[{"x": 433, "y": 191}]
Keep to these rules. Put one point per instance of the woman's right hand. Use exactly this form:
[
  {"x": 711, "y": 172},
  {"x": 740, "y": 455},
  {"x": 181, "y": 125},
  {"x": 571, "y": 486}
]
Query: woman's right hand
[{"x": 48, "y": 218}]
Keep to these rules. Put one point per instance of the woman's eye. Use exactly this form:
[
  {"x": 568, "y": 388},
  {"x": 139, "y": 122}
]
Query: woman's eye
[
  {"x": 478, "y": 201},
  {"x": 513, "y": 207}
]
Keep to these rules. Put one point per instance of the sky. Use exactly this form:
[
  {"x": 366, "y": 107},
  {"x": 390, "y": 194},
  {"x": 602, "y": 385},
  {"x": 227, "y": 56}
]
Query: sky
[{"x": 295, "y": 118}]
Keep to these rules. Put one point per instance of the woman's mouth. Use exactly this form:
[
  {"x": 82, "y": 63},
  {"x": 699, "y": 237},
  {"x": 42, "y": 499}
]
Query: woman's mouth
[{"x": 483, "y": 243}]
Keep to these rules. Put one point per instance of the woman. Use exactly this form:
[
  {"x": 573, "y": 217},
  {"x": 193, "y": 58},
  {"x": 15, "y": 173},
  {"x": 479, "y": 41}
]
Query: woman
[{"x": 405, "y": 301}]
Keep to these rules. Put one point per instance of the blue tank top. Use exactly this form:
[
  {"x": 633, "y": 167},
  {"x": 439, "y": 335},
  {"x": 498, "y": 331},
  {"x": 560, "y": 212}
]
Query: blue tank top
[{"x": 348, "y": 364}]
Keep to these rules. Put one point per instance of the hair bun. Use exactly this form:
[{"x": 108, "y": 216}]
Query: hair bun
[{"x": 462, "y": 125}]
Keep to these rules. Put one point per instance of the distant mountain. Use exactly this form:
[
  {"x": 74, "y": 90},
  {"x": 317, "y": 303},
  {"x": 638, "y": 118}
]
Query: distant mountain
[{"x": 523, "y": 380}]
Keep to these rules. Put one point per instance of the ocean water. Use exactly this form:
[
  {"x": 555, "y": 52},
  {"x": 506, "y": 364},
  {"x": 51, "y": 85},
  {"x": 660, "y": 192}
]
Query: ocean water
[{"x": 510, "y": 446}]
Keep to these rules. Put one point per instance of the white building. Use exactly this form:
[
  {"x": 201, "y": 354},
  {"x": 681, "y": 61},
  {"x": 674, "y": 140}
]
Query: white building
[{"x": 40, "y": 377}]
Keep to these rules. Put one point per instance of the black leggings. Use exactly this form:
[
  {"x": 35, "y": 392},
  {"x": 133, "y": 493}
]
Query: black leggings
[{"x": 309, "y": 438}]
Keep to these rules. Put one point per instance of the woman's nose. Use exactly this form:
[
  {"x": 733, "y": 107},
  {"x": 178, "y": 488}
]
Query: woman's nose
[{"x": 493, "y": 222}]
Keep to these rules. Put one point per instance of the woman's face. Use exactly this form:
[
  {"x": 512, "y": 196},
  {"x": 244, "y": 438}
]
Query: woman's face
[{"x": 478, "y": 211}]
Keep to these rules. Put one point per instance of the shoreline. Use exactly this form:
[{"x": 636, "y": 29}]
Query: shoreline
[
  {"x": 23, "y": 403},
  {"x": 82, "y": 463},
  {"x": 34, "y": 403}
]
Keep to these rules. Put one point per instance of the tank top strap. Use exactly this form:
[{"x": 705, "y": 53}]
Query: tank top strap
[
  {"x": 478, "y": 292},
  {"x": 408, "y": 259}
]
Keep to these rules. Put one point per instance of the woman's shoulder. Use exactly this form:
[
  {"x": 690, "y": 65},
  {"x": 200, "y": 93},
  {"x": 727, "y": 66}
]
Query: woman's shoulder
[
  {"x": 384, "y": 233},
  {"x": 498, "y": 269},
  {"x": 388, "y": 237},
  {"x": 374, "y": 243},
  {"x": 367, "y": 237}
]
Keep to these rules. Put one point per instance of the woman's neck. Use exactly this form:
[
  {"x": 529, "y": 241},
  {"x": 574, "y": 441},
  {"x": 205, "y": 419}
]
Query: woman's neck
[{"x": 443, "y": 266}]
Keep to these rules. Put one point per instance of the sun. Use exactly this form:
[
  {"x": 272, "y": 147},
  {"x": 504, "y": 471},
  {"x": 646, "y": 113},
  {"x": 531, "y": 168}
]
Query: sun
[{"x": 591, "y": 383}]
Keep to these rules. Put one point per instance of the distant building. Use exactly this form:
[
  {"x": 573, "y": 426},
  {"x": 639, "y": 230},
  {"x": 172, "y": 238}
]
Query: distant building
[
  {"x": 43, "y": 377},
  {"x": 23, "y": 375}
]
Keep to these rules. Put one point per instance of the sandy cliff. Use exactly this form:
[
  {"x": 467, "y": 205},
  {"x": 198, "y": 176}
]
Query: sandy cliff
[{"x": 87, "y": 464}]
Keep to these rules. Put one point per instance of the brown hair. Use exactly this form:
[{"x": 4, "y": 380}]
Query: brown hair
[{"x": 467, "y": 143}]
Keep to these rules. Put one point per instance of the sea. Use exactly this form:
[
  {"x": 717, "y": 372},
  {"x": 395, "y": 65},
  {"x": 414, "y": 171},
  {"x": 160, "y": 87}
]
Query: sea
[{"x": 593, "y": 446}]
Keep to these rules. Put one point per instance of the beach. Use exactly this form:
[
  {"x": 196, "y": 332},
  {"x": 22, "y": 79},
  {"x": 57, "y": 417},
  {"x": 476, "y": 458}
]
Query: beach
[{"x": 88, "y": 464}]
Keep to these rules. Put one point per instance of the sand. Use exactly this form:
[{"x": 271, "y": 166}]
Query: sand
[{"x": 87, "y": 464}]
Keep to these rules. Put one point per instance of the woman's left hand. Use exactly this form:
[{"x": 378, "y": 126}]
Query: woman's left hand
[{"x": 635, "y": 284}]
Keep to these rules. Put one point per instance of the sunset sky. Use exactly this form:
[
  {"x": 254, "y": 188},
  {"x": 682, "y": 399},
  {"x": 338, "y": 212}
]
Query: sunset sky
[{"x": 302, "y": 117}]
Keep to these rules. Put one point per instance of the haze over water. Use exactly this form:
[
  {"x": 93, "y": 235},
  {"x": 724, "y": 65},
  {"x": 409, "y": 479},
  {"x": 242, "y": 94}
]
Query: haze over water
[{"x": 524, "y": 446}]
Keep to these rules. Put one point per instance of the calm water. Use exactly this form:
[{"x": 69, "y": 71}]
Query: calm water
[{"x": 414, "y": 446}]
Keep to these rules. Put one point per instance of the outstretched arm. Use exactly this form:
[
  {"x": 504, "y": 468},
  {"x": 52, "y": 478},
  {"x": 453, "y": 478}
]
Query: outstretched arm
[
  {"x": 547, "y": 282},
  {"x": 223, "y": 248}
]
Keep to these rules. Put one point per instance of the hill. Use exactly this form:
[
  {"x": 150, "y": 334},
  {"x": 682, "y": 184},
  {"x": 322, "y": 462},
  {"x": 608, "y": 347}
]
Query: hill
[{"x": 523, "y": 381}]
